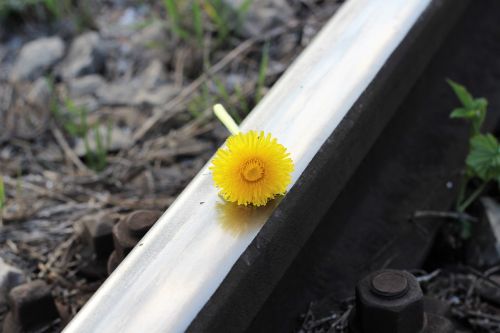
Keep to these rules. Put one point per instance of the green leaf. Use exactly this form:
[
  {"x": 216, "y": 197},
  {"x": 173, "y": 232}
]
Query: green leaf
[
  {"x": 480, "y": 103},
  {"x": 198, "y": 22},
  {"x": 463, "y": 95},
  {"x": 261, "y": 79},
  {"x": 244, "y": 7},
  {"x": 473, "y": 109},
  {"x": 484, "y": 156},
  {"x": 463, "y": 113},
  {"x": 175, "y": 19}
]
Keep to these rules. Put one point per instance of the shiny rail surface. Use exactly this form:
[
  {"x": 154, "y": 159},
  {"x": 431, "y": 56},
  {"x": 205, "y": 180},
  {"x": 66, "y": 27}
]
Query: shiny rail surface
[{"x": 167, "y": 279}]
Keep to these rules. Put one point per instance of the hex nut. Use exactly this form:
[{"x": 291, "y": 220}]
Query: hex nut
[
  {"x": 400, "y": 310},
  {"x": 140, "y": 221},
  {"x": 32, "y": 305}
]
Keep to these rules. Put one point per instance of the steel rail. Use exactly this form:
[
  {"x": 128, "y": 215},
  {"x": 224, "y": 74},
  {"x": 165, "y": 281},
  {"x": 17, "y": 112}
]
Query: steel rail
[{"x": 170, "y": 276}]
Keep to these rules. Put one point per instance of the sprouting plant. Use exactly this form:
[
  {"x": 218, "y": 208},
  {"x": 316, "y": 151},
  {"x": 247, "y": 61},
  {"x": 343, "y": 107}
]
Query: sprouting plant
[
  {"x": 175, "y": 19},
  {"x": 220, "y": 15},
  {"x": 241, "y": 99},
  {"x": 96, "y": 157},
  {"x": 53, "y": 6},
  {"x": 3, "y": 199},
  {"x": 200, "y": 102},
  {"x": 483, "y": 159},
  {"x": 264, "y": 64},
  {"x": 189, "y": 20},
  {"x": 75, "y": 123},
  {"x": 197, "y": 22},
  {"x": 50, "y": 9},
  {"x": 224, "y": 95},
  {"x": 473, "y": 109}
]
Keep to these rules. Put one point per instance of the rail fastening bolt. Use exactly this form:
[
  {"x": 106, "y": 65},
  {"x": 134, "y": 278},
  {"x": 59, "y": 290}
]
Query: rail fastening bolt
[{"x": 389, "y": 301}]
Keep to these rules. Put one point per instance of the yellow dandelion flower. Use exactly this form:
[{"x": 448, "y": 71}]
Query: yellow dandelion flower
[{"x": 252, "y": 168}]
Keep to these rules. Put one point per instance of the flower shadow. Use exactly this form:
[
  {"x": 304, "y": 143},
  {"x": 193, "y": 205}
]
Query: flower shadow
[{"x": 238, "y": 219}]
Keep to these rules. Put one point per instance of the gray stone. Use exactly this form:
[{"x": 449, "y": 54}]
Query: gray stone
[
  {"x": 152, "y": 42},
  {"x": 153, "y": 97},
  {"x": 36, "y": 57},
  {"x": 263, "y": 14},
  {"x": 120, "y": 138},
  {"x": 39, "y": 94},
  {"x": 86, "y": 56},
  {"x": 150, "y": 88},
  {"x": 10, "y": 277},
  {"x": 88, "y": 102},
  {"x": 86, "y": 85},
  {"x": 153, "y": 33},
  {"x": 117, "y": 94},
  {"x": 154, "y": 75}
]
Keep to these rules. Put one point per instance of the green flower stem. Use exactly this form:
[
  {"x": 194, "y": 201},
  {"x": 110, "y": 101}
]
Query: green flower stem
[
  {"x": 226, "y": 119},
  {"x": 466, "y": 203},
  {"x": 461, "y": 191}
]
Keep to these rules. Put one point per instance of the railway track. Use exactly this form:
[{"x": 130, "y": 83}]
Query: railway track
[{"x": 364, "y": 113}]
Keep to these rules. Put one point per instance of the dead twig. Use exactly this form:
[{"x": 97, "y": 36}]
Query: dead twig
[
  {"x": 421, "y": 214},
  {"x": 428, "y": 277},
  {"x": 70, "y": 154}
]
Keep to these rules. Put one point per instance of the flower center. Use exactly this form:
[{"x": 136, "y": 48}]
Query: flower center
[{"x": 252, "y": 170}]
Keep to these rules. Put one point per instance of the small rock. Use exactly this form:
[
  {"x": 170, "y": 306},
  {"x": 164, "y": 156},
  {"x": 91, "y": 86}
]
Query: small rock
[
  {"x": 39, "y": 94},
  {"x": 483, "y": 249},
  {"x": 148, "y": 88},
  {"x": 36, "y": 57},
  {"x": 115, "y": 94},
  {"x": 152, "y": 42},
  {"x": 32, "y": 305},
  {"x": 129, "y": 17},
  {"x": 86, "y": 85},
  {"x": 287, "y": 46},
  {"x": 153, "y": 76},
  {"x": 153, "y": 33},
  {"x": 235, "y": 81},
  {"x": 10, "y": 277},
  {"x": 170, "y": 179},
  {"x": 158, "y": 96},
  {"x": 50, "y": 152},
  {"x": 89, "y": 103},
  {"x": 86, "y": 56},
  {"x": 133, "y": 94},
  {"x": 263, "y": 15}
]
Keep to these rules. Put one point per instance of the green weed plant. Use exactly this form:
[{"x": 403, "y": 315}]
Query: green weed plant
[{"x": 483, "y": 159}]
